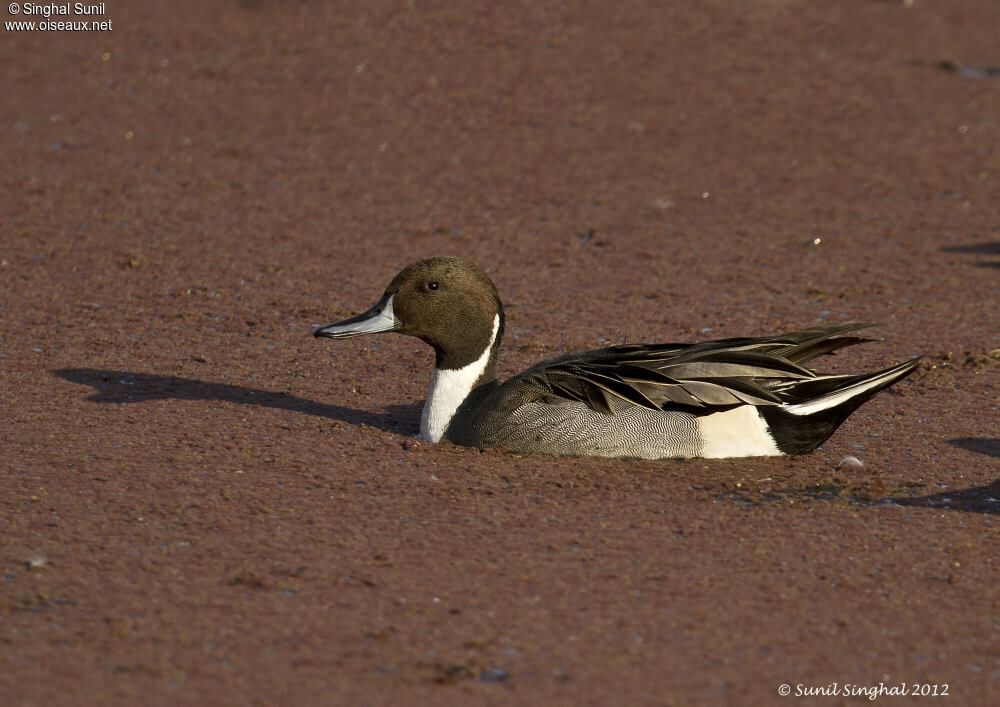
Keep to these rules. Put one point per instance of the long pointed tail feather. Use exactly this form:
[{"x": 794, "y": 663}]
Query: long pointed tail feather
[
  {"x": 801, "y": 427},
  {"x": 863, "y": 389}
]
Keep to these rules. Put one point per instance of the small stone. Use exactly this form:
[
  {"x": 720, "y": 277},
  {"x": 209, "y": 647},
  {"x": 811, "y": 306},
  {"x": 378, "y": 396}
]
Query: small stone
[
  {"x": 36, "y": 562},
  {"x": 493, "y": 675},
  {"x": 850, "y": 462}
]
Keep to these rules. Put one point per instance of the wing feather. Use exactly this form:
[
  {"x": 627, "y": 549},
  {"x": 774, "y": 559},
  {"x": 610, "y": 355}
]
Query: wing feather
[{"x": 698, "y": 377}]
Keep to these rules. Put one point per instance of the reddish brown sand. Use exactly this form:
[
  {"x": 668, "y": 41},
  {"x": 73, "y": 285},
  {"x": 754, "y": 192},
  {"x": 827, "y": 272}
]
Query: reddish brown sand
[{"x": 201, "y": 504}]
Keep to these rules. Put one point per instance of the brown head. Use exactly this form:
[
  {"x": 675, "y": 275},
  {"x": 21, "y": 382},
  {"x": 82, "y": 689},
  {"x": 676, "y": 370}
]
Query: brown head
[{"x": 447, "y": 302}]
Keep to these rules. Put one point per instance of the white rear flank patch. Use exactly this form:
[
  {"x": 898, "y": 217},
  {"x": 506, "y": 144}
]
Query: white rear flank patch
[
  {"x": 740, "y": 432},
  {"x": 449, "y": 388}
]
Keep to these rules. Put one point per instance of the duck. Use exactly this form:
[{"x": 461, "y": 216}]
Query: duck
[{"x": 725, "y": 398}]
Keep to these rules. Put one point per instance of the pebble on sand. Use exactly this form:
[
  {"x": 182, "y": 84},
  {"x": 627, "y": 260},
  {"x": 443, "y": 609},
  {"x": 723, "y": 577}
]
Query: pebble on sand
[
  {"x": 850, "y": 462},
  {"x": 494, "y": 675}
]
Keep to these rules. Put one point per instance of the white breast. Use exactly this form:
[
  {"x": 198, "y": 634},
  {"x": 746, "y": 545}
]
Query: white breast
[{"x": 449, "y": 388}]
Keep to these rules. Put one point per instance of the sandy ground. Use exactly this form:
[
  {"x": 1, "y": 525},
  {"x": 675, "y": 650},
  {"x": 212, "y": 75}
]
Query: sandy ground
[{"x": 201, "y": 504}]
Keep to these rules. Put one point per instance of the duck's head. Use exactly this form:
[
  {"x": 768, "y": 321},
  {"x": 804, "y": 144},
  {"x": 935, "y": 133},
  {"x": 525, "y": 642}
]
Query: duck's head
[{"x": 448, "y": 302}]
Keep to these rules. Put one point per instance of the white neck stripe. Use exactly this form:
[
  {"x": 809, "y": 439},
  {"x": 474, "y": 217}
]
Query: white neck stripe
[{"x": 449, "y": 389}]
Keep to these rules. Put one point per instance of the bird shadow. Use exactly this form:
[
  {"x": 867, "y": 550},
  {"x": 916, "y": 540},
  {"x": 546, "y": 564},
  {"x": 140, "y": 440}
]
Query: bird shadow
[
  {"x": 987, "y": 249},
  {"x": 990, "y": 446},
  {"x": 120, "y": 387},
  {"x": 978, "y": 499}
]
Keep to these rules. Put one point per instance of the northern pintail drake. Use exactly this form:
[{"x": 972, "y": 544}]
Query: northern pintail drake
[{"x": 728, "y": 398}]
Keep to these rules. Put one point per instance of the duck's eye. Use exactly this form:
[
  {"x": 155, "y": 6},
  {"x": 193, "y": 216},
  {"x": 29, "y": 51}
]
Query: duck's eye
[{"x": 432, "y": 285}]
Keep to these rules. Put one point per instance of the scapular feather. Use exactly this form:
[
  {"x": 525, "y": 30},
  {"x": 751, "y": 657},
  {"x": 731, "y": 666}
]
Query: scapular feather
[{"x": 701, "y": 377}]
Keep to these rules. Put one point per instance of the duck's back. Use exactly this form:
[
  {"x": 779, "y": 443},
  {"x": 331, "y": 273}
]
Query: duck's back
[{"x": 726, "y": 398}]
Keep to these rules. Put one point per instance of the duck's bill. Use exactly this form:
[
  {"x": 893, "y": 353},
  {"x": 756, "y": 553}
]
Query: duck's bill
[{"x": 376, "y": 320}]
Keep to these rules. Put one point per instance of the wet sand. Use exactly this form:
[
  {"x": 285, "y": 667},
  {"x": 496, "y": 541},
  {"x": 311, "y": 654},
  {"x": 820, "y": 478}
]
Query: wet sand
[{"x": 201, "y": 504}]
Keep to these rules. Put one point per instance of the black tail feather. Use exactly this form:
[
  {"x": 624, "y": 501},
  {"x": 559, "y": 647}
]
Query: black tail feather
[{"x": 816, "y": 421}]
